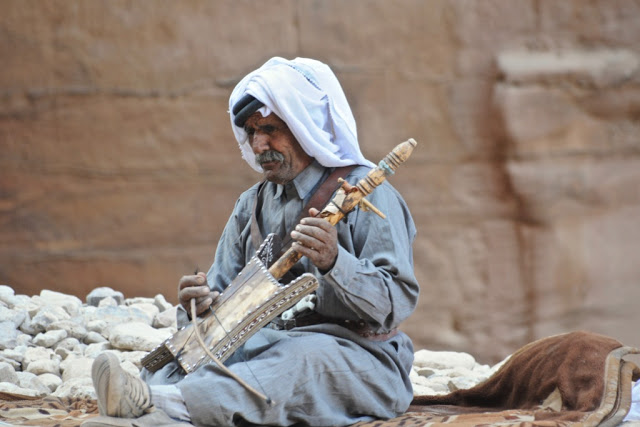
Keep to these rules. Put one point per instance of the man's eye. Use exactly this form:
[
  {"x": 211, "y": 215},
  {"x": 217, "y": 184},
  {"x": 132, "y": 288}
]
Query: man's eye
[{"x": 268, "y": 129}]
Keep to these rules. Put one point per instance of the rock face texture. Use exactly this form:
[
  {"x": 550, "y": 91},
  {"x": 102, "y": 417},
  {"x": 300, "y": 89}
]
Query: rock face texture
[{"x": 118, "y": 167}]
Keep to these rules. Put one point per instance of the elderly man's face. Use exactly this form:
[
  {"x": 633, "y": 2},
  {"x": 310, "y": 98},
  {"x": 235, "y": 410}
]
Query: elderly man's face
[{"x": 277, "y": 150}]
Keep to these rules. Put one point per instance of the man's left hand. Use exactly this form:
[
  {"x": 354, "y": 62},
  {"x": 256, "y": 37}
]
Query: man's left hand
[{"x": 316, "y": 239}]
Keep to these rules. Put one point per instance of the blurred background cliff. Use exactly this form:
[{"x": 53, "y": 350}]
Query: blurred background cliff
[{"x": 118, "y": 166}]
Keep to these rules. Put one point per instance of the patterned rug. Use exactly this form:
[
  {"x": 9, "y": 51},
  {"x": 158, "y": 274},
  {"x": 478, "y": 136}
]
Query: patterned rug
[{"x": 45, "y": 412}]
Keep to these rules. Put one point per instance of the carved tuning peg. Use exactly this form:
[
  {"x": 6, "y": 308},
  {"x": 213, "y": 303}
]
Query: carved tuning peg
[{"x": 366, "y": 206}]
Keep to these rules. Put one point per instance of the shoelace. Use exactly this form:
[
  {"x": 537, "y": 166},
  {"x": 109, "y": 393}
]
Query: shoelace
[{"x": 138, "y": 398}]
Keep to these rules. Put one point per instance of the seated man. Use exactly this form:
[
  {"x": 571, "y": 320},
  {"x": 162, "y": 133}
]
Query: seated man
[{"x": 349, "y": 363}]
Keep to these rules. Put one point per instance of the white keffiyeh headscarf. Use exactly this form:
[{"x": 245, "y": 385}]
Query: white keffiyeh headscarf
[{"x": 307, "y": 96}]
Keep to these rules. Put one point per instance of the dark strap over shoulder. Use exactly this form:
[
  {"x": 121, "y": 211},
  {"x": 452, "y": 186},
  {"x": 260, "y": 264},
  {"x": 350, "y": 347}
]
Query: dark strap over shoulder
[{"x": 318, "y": 200}]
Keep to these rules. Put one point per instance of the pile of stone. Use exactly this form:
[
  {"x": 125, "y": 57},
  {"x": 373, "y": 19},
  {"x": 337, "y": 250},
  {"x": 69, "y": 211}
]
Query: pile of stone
[
  {"x": 441, "y": 372},
  {"x": 48, "y": 343}
]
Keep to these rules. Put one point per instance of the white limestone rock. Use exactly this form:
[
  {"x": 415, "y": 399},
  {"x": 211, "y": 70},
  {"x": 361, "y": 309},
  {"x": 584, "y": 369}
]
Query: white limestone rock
[
  {"x": 423, "y": 390},
  {"x": 31, "y": 381},
  {"x": 47, "y": 315},
  {"x": 439, "y": 384},
  {"x": 87, "y": 312},
  {"x": 137, "y": 336},
  {"x": 114, "y": 316},
  {"x": 108, "y": 302},
  {"x": 24, "y": 340},
  {"x": 50, "y": 338},
  {"x": 94, "y": 350},
  {"x": 68, "y": 343},
  {"x": 429, "y": 376},
  {"x": 62, "y": 352},
  {"x": 134, "y": 357},
  {"x": 425, "y": 372},
  {"x": 8, "y": 373},
  {"x": 16, "y": 365},
  {"x": 138, "y": 300},
  {"x": 71, "y": 304},
  {"x": 35, "y": 353},
  {"x": 460, "y": 383},
  {"x": 81, "y": 387},
  {"x": 458, "y": 372},
  {"x": 22, "y": 302},
  {"x": 98, "y": 294},
  {"x": 161, "y": 302},
  {"x": 443, "y": 359},
  {"x": 98, "y": 326},
  {"x": 51, "y": 381},
  {"x": 422, "y": 385},
  {"x": 416, "y": 378},
  {"x": 73, "y": 328},
  {"x": 76, "y": 366},
  {"x": 27, "y": 326},
  {"x": 149, "y": 309},
  {"x": 15, "y": 389},
  {"x": 16, "y": 353},
  {"x": 482, "y": 370},
  {"x": 7, "y": 294},
  {"x": 166, "y": 319},
  {"x": 94, "y": 338},
  {"x": 33, "y": 306},
  {"x": 11, "y": 315},
  {"x": 80, "y": 348},
  {"x": 44, "y": 366},
  {"x": 8, "y": 335}
]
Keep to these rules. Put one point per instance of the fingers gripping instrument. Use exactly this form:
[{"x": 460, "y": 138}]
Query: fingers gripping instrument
[{"x": 255, "y": 297}]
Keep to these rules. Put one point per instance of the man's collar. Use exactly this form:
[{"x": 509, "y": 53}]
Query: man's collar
[{"x": 305, "y": 181}]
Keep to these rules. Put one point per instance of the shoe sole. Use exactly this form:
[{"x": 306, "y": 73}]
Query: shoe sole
[
  {"x": 102, "y": 375},
  {"x": 105, "y": 421}
]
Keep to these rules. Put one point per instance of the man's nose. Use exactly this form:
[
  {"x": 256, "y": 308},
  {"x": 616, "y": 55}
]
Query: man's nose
[{"x": 259, "y": 143}]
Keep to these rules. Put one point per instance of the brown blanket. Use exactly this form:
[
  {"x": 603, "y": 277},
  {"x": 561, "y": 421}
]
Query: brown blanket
[{"x": 577, "y": 379}]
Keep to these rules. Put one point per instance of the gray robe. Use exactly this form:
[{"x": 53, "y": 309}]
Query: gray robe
[{"x": 324, "y": 374}]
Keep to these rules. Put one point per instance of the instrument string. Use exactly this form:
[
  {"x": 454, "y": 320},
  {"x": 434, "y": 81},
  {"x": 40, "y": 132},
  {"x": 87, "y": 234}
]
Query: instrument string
[
  {"x": 226, "y": 370},
  {"x": 263, "y": 396}
]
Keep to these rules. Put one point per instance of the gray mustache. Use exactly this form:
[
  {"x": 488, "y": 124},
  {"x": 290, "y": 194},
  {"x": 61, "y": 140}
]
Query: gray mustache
[{"x": 269, "y": 156}]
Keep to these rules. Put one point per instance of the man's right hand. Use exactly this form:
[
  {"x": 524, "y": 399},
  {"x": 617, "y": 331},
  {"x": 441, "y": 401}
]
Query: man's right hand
[{"x": 195, "y": 286}]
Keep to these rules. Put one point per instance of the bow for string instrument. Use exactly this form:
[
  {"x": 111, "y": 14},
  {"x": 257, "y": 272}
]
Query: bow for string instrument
[{"x": 255, "y": 297}]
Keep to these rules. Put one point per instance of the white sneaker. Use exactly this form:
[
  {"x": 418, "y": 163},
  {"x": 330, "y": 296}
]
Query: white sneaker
[{"x": 120, "y": 394}]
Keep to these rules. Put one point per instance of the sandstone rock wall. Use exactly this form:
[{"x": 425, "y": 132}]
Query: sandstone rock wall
[{"x": 118, "y": 166}]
